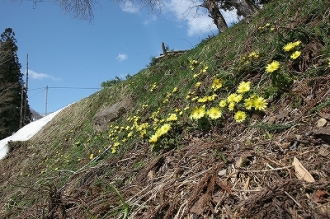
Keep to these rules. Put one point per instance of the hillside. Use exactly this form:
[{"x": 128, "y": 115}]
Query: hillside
[{"x": 237, "y": 127}]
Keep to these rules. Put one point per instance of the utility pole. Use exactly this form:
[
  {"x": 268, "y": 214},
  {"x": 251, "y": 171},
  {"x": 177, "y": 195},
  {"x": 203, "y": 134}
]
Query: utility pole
[
  {"x": 26, "y": 87},
  {"x": 21, "y": 109},
  {"x": 46, "y": 100}
]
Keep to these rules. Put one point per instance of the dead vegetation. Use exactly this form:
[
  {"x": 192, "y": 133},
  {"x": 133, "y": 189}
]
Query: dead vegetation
[{"x": 275, "y": 166}]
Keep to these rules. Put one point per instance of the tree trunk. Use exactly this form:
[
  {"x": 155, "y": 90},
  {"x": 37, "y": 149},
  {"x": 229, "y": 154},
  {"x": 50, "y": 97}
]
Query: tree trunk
[{"x": 215, "y": 14}]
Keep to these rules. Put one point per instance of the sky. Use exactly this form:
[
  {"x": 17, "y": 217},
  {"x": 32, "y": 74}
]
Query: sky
[
  {"x": 73, "y": 57},
  {"x": 26, "y": 132}
]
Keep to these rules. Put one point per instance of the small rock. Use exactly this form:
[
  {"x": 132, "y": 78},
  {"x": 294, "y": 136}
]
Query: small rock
[
  {"x": 321, "y": 122},
  {"x": 222, "y": 172}
]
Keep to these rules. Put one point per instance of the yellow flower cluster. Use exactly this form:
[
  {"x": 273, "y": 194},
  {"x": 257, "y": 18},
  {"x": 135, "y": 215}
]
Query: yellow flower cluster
[
  {"x": 197, "y": 112},
  {"x": 160, "y": 131},
  {"x": 254, "y": 55},
  {"x": 193, "y": 64},
  {"x": 216, "y": 84},
  {"x": 258, "y": 103},
  {"x": 153, "y": 87},
  {"x": 273, "y": 66},
  {"x": 265, "y": 27},
  {"x": 291, "y": 46}
]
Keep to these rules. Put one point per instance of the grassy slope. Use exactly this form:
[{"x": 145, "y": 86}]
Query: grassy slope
[{"x": 59, "y": 155}]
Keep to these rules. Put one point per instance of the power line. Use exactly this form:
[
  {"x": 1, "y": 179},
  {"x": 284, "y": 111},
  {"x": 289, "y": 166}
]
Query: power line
[{"x": 77, "y": 88}]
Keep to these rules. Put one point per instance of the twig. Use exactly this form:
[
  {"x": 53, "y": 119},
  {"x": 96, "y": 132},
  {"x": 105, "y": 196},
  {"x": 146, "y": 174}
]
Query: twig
[
  {"x": 258, "y": 171},
  {"x": 292, "y": 199},
  {"x": 246, "y": 190}
]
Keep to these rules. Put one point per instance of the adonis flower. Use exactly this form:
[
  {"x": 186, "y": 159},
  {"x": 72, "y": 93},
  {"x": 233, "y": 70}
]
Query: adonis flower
[
  {"x": 243, "y": 87},
  {"x": 260, "y": 103},
  {"x": 254, "y": 55},
  {"x": 216, "y": 84},
  {"x": 212, "y": 97},
  {"x": 249, "y": 103},
  {"x": 290, "y": 46},
  {"x": 198, "y": 84},
  {"x": 240, "y": 116},
  {"x": 172, "y": 117},
  {"x": 295, "y": 55},
  {"x": 272, "y": 66},
  {"x": 231, "y": 98},
  {"x": 163, "y": 130},
  {"x": 214, "y": 113},
  {"x": 223, "y": 103},
  {"x": 153, "y": 138},
  {"x": 130, "y": 134},
  {"x": 231, "y": 106},
  {"x": 198, "y": 112},
  {"x": 202, "y": 99},
  {"x": 238, "y": 98}
]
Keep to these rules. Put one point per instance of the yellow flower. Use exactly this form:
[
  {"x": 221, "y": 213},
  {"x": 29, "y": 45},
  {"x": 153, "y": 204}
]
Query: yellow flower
[
  {"x": 295, "y": 55},
  {"x": 194, "y": 98},
  {"x": 288, "y": 47},
  {"x": 231, "y": 98},
  {"x": 254, "y": 55},
  {"x": 175, "y": 90},
  {"x": 163, "y": 129},
  {"x": 130, "y": 134},
  {"x": 329, "y": 62},
  {"x": 195, "y": 75},
  {"x": 172, "y": 117},
  {"x": 249, "y": 103},
  {"x": 91, "y": 156},
  {"x": 153, "y": 87},
  {"x": 231, "y": 106},
  {"x": 297, "y": 43},
  {"x": 205, "y": 69},
  {"x": 234, "y": 98},
  {"x": 143, "y": 132},
  {"x": 223, "y": 103},
  {"x": 198, "y": 112},
  {"x": 216, "y": 84},
  {"x": 243, "y": 87},
  {"x": 211, "y": 98},
  {"x": 153, "y": 138},
  {"x": 202, "y": 100},
  {"x": 238, "y": 98},
  {"x": 214, "y": 113},
  {"x": 113, "y": 150},
  {"x": 240, "y": 116},
  {"x": 272, "y": 66},
  {"x": 260, "y": 103},
  {"x": 198, "y": 84}
]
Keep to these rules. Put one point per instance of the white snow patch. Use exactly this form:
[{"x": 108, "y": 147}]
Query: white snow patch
[{"x": 26, "y": 132}]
